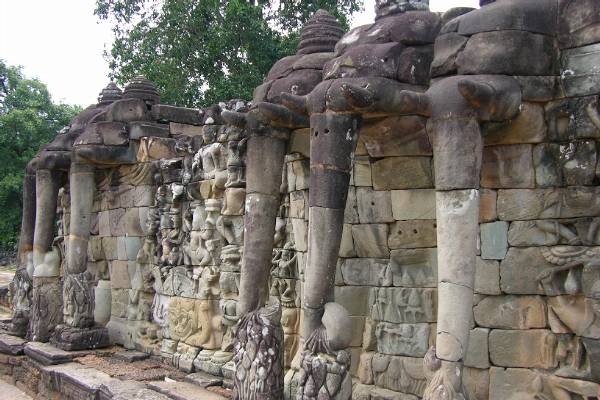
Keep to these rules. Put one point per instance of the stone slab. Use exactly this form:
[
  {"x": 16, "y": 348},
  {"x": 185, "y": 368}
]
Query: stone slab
[
  {"x": 412, "y": 234},
  {"x": 494, "y": 240},
  {"x": 131, "y": 355},
  {"x": 12, "y": 345},
  {"x": 203, "y": 379},
  {"x": 184, "y": 391},
  {"x": 533, "y": 348},
  {"x": 413, "y": 204},
  {"x": 417, "y": 173},
  {"x": 47, "y": 354},
  {"x": 511, "y": 312}
]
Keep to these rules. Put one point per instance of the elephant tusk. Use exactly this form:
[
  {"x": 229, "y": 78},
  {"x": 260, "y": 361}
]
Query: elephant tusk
[
  {"x": 281, "y": 116},
  {"x": 478, "y": 95},
  {"x": 357, "y": 96},
  {"x": 412, "y": 102},
  {"x": 234, "y": 118},
  {"x": 295, "y": 103}
]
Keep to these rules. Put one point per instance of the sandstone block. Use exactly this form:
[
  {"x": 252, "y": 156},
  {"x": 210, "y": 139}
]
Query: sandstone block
[
  {"x": 412, "y": 234},
  {"x": 494, "y": 240},
  {"x": 508, "y": 167},
  {"x": 353, "y": 298},
  {"x": 400, "y": 374},
  {"x": 366, "y": 272},
  {"x": 487, "y": 205},
  {"x": 402, "y": 339},
  {"x": 416, "y": 173},
  {"x": 370, "y": 240},
  {"x": 579, "y": 70},
  {"x": 578, "y": 22},
  {"x": 362, "y": 172},
  {"x": 138, "y": 130},
  {"x": 374, "y": 206},
  {"x": 403, "y": 305},
  {"x": 446, "y": 49},
  {"x": 299, "y": 204},
  {"x": 182, "y": 115},
  {"x": 478, "y": 351},
  {"x": 396, "y": 136},
  {"x": 530, "y": 349},
  {"x": 298, "y": 175},
  {"x": 539, "y": 88},
  {"x": 347, "y": 243},
  {"x": 527, "y": 127},
  {"x": 507, "y": 52},
  {"x": 476, "y": 383},
  {"x": 119, "y": 275},
  {"x": 520, "y": 269},
  {"x": 568, "y": 119},
  {"x": 414, "y": 267},
  {"x": 527, "y": 204},
  {"x": 351, "y": 210},
  {"x": 511, "y": 312},
  {"x": 566, "y": 164},
  {"x": 487, "y": 277},
  {"x": 300, "y": 142},
  {"x": 413, "y": 204},
  {"x": 177, "y": 129}
]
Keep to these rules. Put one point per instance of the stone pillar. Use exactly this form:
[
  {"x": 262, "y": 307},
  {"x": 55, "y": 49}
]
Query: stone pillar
[
  {"x": 21, "y": 286},
  {"x": 457, "y": 152},
  {"x": 259, "y": 326},
  {"x": 326, "y": 325},
  {"x": 264, "y": 165},
  {"x": 78, "y": 331},
  {"x": 47, "y": 303}
]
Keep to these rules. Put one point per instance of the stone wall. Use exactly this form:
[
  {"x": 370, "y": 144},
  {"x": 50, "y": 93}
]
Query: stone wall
[{"x": 167, "y": 231}]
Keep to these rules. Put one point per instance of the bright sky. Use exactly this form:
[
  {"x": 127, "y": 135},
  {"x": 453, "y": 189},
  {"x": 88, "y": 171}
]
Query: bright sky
[{"x": 62, "y": 43}]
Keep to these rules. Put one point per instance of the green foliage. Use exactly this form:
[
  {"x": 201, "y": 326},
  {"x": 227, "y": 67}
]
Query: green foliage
[
  {"x": 28, "y": 120},
  {"x": 199, "y": 52}
]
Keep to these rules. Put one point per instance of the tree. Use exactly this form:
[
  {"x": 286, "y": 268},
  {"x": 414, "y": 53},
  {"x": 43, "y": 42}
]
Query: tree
[
  {"x": 199, "y": 52},
  {"x": 28, "y": 120}
]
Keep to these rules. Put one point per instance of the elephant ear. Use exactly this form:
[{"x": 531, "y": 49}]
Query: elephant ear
[
  {"x": 281, "y": 116},
  {"x": 295, "y": 103},
  {"x": 234, "y": 118},
  {"x": 495, "y": 98}
]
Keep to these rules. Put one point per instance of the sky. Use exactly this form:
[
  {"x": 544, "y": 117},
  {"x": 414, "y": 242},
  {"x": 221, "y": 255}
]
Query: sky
[{"x": 61, "y": 42}]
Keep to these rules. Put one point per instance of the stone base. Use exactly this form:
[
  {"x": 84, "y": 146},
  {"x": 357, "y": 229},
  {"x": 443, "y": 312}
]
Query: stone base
[
  {"x": 69, "y": 338},
  {"x": 12, "y": 345},
  {"x": 46, "y": 354}
]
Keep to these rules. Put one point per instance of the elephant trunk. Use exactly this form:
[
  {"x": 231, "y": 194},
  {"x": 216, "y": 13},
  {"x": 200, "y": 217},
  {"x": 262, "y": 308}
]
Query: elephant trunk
[
  {"x": 28, "y": 220},
  {"x": 457, "y": 150},
  {"x": 47, "y": 184},
  {"x": 265, "y": 156},
  {"x": 332, "y": 145}
]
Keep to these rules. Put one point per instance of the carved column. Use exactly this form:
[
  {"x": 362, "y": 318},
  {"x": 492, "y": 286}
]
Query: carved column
[
  {"x": 78, "y": 331},
  {"x": 333, "y": 140},
  {"x": 47, "y": 303},
  {"x": 21, "y": 286}
]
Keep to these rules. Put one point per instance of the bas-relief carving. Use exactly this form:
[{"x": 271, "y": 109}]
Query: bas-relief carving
[
  {"x": 196, "y": 322},
  {"x": 21, "y": 291},
  {"x": 404, "y": 305},
  {"x": 401, "y": 374}
]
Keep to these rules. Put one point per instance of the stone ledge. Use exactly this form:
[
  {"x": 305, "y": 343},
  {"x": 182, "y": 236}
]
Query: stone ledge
[
  {"x": 46, "y": 354},
  {"x": 12, "y": 345}
]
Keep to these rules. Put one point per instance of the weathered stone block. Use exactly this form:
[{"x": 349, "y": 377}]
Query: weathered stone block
[
  {"x": 413, "y": 204},
  {"x": 530, "y": 349},
  {"x": 362, "y": 172},
  {"x": 478, "y": 351},
  {"x": 366, "y": 272},
  {"x": 416, "y": 173},
  {"x": 403, "y": 305},
  {"x": 351, "y": 210},
  {"x": 138, "y": 130},
  {"x": 177, "y": 129},
  {"x": 119, "y": 275},
  {"x": 487, "y": 205},
  {"x": 578, "y": 22},
  {"x": 508, "y": 167},
  {"x": 526, "y": 204},
  {"x": 511, "y": 312},
  {"x": 396, "y": 136},
  {"x": 529, "y": 126},
  {"x": 574, "y": 314},
  {"x": 572, "y": 118},
  {"x": 507, "y": 52},
  {"x": 412, "y": 234},
  {"x": 353, "y": 298},
  {"x": 374, "y": 206},
  {"x": 347, "y": 243},
  {"x": 300, "y": 228},
  {"x": 494, "y": 240},
  {"x": 539, "y": 88},
  {"x": 156, "y": 148},
  {"x": 164, "y": 112},
  {"x": 487, "y": 277},
  {"x": 298, "y": 175},
  {"x": 414, "y": 267},
  {"x": 520, "y": 269},
  {"x": 446, "y": 49},
  {"x": 299, "y": 204},
  {"x": 370, "y": 240},
  {"x": 569, "y": 164},
  {"x": 300, "y": 142},
  {"x": 579, "y": 70},
  {"x": 401, "y": 374},
  {"x": 476, "y": 383},
  {"x": 402, "y": 339}
]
